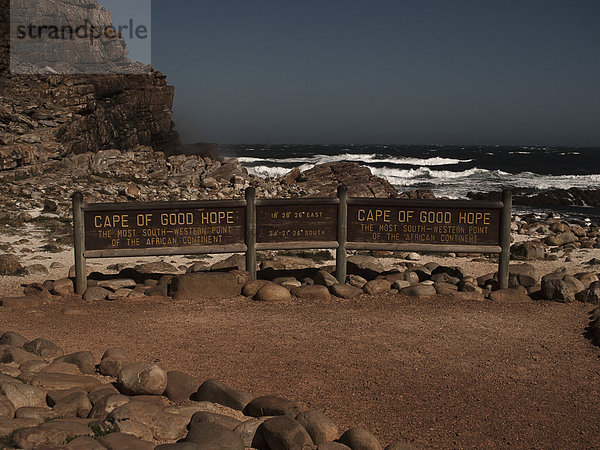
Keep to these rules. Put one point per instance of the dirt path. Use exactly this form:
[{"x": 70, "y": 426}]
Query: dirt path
[{"x": 438, "y": 372}]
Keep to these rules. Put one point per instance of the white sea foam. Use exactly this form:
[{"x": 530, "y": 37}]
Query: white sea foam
[{"x": 360, "y": 157}]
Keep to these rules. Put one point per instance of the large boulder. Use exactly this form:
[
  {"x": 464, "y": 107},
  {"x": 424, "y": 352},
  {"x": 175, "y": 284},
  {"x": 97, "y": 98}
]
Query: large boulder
[
  {"x": 285, "y": 433},
  {"x": 271, "y": 406},
  {"x": 562, "y": 288},
  {"x": 9, "y": 265},
  {"x": 142, "y": 379},
  {"x": 528, "y": 251},
  {"x": 271, "y": 292},
  {"x": 314, "y": 292},
  {"x": 83, "y": 360},
  {"x": 218, "y": 392},
  {"x": 566, "y": 237},
  {"x": 210, "y": 436},
  {"x": 44, "y": 348},
  {"x": 196, "y": 286},
  {"x": 345, "y": 290},
  {"x": 377, "y": 286},
  {"x": 180, "y": 386},
  {"x": 365, "y": 266},
  {"x": 359, "y": 438},
  {"x": 320, "y": 427}
]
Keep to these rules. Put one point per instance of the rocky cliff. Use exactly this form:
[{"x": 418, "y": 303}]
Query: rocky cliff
[{"x": 44, "y": 117}]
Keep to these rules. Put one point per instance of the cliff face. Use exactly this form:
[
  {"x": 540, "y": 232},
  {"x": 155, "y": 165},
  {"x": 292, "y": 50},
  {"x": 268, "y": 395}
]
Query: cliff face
[{"x": 45, "y": 117}]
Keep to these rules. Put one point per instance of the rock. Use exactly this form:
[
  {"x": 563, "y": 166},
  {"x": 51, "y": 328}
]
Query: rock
[
  {"x": 314, "y": 292},
  {"x": 35, "y": 269},
  {"x": 18, "y": 355},
  {"x": 119, "y": 441},
  {"x": 285, "y": 433},
  {"x": 413, "y": 256},
  {"x": 63, "y": 287},
  {"x": 195, "y": 286},
  {"x": 12, "y": 338},
  {"x": 591, "y": 294},
  {"x": 248, "y": 431},
  {"x": 272, "y": 292},
  {"x": 75, "y": 404},
  {"x": 34, "y": 365},
  {"x": 189, "y": 409},
  {"x": 83, "y": 360},
  {"x": 21, "y": 395},
  {"x": 287, "y": 263},
  {"x": 162, "y": 425},
  {"x": 142, "y": 379},
  {"x": 234, "y": 262},
  {"x": 44, "y": 348},
  {"x": 320, "y": 427},
  {"x": 528, "y": 251},
  {"x": 562, "y": 289},
  {"x": 587, "y": 278},
  {"x": 157, "y": 267},
  {"x": 563, "y": 238},
  {"x": 367, "y": 267},
  {"x": 180, "y": 386},
  {"x": 400, "y": 284},
  {"x": 324, "y": 278},
  {"x": 113, "y": 362},
  {"x": 85, "y": 443},
  {"x": 418, "y": 290},
  {"x": 287, "y": 282},
  {"x": 411, "y": 276},
  {"x": 345, "y": 290},
  {"x": 61, "y": 367},
  {"x": 95, "y": 293},
  {"x": 10, "y": 371},
  {"x": 333, "y": 446},
  {"x": 467, "y": 286},
  {"x": 107, "y": 404},
  {"x": 209, "y": 436},
  {"x": 219, "y": 419},
  {"x": 291, "y": 176},
  {"x": 117, "y": 283},
  {"x": 37, "y": 413},
  {"x": 53, "y": 397},
  {"x": 377, "y": 287},
  {"x": 252, "y": 287},
  {"x": 7, "y": 409},
  {"x": 360, "y": 439},
  {"x": 57, "y": 381},
  {"x": 9, "y": 265},
  {"x": 453, "y": 272},
  {"x": 218, "y": 392},
  {"x": 55, "y": 432},
  {"x": 356, "y": 280},
  {"x": 271, "y": 406},
  {"x": 445, "y": 288},
  {"x": 509, "y": 295}
]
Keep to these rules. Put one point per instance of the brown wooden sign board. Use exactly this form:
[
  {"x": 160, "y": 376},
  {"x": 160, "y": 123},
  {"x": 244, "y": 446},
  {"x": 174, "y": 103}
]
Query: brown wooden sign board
[
  {"x": 290, "y": 223},
  {"x": 148, "y": 228},
  {"x": 424, "y": 225}
]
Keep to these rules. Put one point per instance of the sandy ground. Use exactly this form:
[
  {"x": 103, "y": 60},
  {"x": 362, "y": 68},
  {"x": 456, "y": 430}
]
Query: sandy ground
[{"x": 439, "y": 372}]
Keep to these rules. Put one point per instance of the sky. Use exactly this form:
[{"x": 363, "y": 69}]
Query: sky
[{"x": 481, "y": 72}]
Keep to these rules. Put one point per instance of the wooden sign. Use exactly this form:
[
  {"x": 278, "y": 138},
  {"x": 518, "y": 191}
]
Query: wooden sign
[
  {"x": 290, "y": 223},
  {"x": 423, "y": 225},
  {"x": 158, "y": 228}
]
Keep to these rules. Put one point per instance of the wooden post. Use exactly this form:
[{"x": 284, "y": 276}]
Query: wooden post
[
  {"x": 342, "y": 234},
  {"x": 505, "y": 230},
  {"x": 251, "y": 232},
  {"x": 79, "y": 244}
]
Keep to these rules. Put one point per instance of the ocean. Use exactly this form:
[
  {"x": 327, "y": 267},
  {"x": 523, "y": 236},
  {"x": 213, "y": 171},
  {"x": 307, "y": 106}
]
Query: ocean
[{"x": 449, "y": 171}]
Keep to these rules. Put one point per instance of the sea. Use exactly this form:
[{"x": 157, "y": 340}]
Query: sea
[{"x": 449, "y": 171}]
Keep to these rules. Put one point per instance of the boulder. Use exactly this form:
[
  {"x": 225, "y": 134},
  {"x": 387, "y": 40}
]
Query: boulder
[
  {"x": 44, "y": 348},
  {"x": 528, "y": 251},
  {"x": 252, "y": 287},
  {"x": 324, "y": 278},
  {"x": 419, "y": 290},
  {"x": 9, "y": 265},
  {"x": 287, "y": 263},
  {"x": 113, "y": 360},
  {"x": 377, "y": 287},
  {"x": 196, "y": 286},
  {"x": 76, "y": 404},
  {"x": 561, "y": 289},
  {"x": 272, "y": 292},
  {"x": 271, "y": 406},
  {"x": 12, "y": 338},
  {"x": 234, "y": 262},
  {"x": 119, "y": 441},
  {"x": 220, "y": 419},
  {"x": 157, "y": 267},
  {"x": 563, "y": 238},
  {"x": 83, "y": 360},
  {"x": 356, "y": 281},
  {"x": 345, "y": 290},
  {"x": 360, "y": 439},
  {"x": 95, "y": 293},
  {"x": 248, "y": 431},
  {"x": 23, "y": 395},
  {"x": 63, "y": 287},
  {"x": 10, "y": 353},
  {"x": 314, "y": 292},
  {"x": 57, "y": 381},
  {"x": 55, "y": 432},
  {"x": 365, "y": 266},
  {"x": 320, "y": 428},
  {"x": 7, "y": 409},
  {"x": 285, "y": 433},
  {"x": 180, "y": 386},
  {"x": 210, "y": 436},
  {"x": 218, "y": 392},
  {"x": 142, "y": 379}
]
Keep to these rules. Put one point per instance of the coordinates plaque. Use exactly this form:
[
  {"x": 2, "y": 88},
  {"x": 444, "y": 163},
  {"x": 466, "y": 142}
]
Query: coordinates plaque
[
  {"x": 181, "y": 227},
  {"x": 424, "y": 225},
  {"x": 296, "y": 223}
]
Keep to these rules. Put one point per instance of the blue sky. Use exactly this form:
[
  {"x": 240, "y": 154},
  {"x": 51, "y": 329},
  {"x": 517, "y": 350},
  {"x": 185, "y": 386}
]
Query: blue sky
[{"x": 382, "y": 71}]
